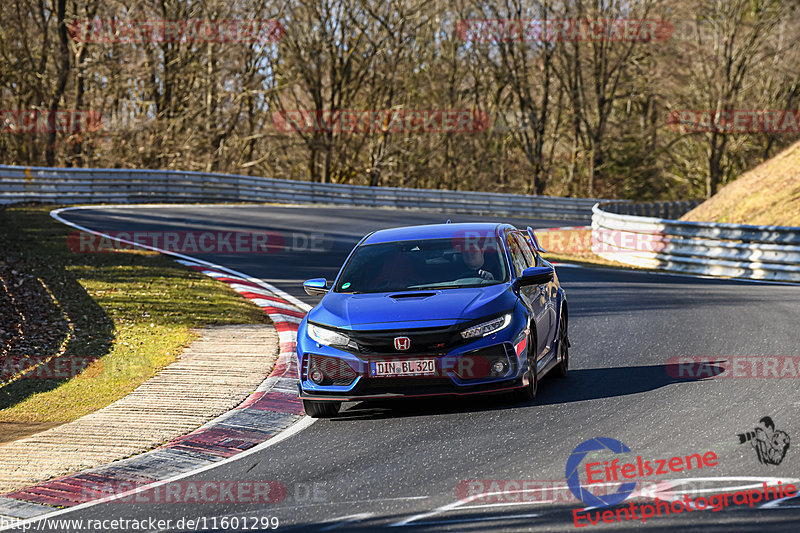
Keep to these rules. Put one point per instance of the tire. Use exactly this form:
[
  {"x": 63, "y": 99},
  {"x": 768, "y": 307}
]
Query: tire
[
  {"x": 563, "y": 347},
  {"x": 317, "y": 409},
  {"x": 527, "y": 393}
]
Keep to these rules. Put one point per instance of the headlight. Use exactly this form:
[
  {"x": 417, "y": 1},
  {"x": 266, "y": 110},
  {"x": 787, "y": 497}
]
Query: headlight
[
  {"x": 487, "y": 328},
  {"x": 329, "y": 337}
]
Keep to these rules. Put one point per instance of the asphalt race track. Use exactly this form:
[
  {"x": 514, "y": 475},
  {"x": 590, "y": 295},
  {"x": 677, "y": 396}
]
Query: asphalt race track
[{"x": 407, "y": 465}]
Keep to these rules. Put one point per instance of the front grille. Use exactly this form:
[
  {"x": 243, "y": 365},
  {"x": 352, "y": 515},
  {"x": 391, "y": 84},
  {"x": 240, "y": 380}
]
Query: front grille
[{"x": 426, "y": 340}]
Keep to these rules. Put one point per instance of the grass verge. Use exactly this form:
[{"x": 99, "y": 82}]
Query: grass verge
[
  {"x": 767, "y": 195},
  {"x": 119, "y": 318}
]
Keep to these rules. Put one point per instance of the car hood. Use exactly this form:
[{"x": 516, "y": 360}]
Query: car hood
[{"x": 386, "y": 310}]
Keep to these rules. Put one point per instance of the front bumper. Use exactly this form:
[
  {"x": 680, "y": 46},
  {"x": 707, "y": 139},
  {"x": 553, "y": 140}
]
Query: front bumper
[
  {"x": 352, "y": 379},
  {"x": 397, "y": 389},
  {"x": 464, "y": 372}
]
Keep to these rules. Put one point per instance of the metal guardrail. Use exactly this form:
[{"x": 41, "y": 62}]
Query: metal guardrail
[
  {"x": 618, "y": 233},
  {"x": 714, "y": 249},
  {"x": 77, "y": 185},
  {"x": 668, "y": 210}
]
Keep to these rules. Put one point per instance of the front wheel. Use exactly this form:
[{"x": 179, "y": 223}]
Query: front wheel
[
  {"x": 317, "y": 409},
  {"x": 528, "y": 392},
  {"x": 563, "y": 347}
]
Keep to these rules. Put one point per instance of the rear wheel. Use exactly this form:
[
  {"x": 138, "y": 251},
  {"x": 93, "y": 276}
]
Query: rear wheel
[
  {"x": 317, "y": 409},
  {"x": 563, "y": 347}
]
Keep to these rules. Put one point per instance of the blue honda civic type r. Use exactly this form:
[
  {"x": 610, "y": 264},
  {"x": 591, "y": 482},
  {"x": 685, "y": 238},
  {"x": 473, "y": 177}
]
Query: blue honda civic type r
[{"x": 443, "y": 309}]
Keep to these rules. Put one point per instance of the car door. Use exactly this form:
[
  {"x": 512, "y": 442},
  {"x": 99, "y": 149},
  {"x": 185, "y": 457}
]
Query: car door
[
  {"x": 552, "y": 303},
  {"x": 534, "y": 296},
  {"x": 551, "y": 292}
]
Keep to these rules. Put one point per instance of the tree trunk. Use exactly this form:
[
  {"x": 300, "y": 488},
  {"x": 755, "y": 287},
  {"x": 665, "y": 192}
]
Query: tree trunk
[{"x": 61, "y": 84}]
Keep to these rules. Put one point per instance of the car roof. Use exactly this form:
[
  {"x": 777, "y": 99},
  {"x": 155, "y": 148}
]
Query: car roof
[{"x": 432, "y": 231}]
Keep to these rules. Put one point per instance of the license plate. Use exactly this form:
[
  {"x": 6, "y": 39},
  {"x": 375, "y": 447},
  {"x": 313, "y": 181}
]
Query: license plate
[{"x": 410, "y": 367}]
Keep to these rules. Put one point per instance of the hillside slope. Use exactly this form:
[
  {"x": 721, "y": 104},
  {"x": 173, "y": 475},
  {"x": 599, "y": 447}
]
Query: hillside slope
[{"x": 766, "y": 195}]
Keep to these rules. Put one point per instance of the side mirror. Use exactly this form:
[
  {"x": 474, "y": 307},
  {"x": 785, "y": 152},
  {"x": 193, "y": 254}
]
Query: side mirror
[
  {"x": 535, "y": 276},
  {"x": 316, "y": 286}
]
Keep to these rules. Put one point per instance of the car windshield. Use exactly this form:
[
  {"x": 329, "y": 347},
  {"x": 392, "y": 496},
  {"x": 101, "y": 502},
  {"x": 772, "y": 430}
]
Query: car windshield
[{"x": 424, "y": 264}]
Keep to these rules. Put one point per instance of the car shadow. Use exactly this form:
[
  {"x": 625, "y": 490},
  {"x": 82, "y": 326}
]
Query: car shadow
[
  {"x": 599, "y": 383},
  {"x": 578, "y": 386}
]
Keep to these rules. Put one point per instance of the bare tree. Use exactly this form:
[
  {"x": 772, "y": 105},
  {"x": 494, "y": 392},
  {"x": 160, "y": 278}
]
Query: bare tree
[
  {"x": 732, "y": 58},
  {"x": 570, "y": 113}
]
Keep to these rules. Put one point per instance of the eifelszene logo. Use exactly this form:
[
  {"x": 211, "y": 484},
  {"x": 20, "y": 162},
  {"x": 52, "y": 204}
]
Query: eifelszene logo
[
  {"x": 769, "y": 443},
  {"x": 574, "y": 483},
  {"x": 615, "y": 471}
]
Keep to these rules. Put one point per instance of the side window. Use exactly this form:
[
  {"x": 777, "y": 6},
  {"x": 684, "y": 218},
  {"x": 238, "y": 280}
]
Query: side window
[
  {"x": 527, "y": 251},
  {"x": 529, "y": 246},
  {"x": 518, "y": 259}
]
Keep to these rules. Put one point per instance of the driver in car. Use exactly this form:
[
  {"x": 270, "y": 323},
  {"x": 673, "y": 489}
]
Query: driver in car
[{"x": 473, "y": 259}]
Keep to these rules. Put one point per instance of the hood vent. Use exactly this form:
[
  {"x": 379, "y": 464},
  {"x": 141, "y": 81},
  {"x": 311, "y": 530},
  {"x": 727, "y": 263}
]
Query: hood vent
[{"x": 412, "y": 295}]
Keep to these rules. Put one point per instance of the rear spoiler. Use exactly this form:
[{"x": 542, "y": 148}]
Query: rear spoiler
[{"x": 534, "y": 241}]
